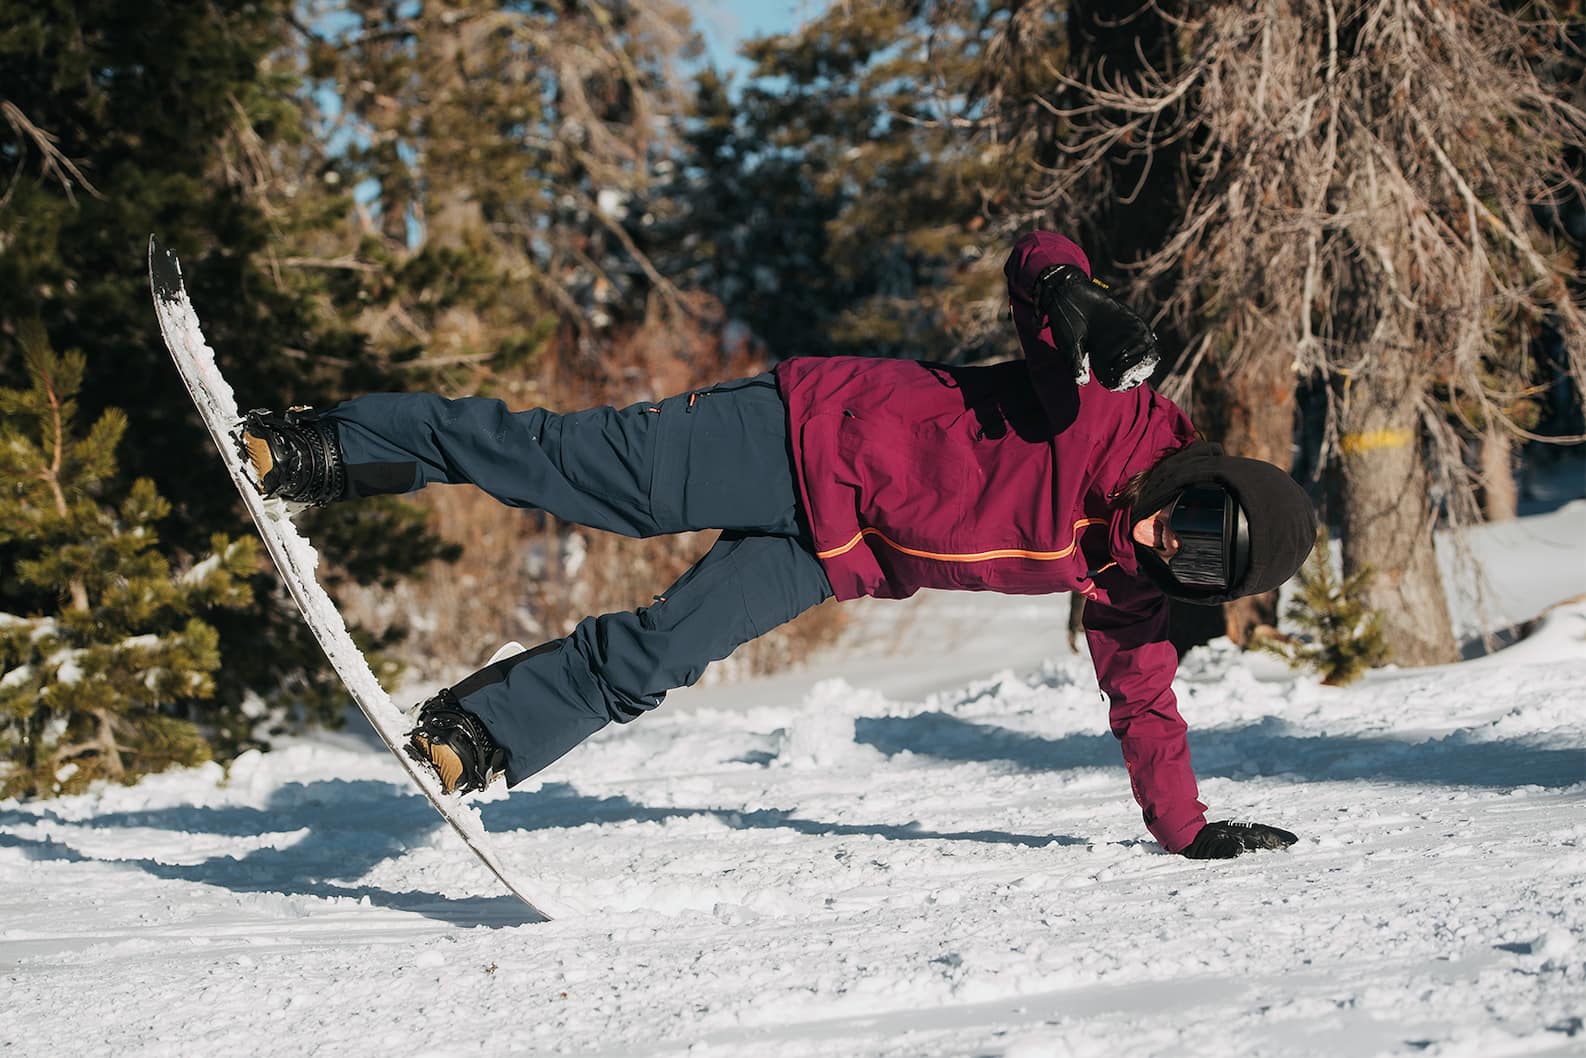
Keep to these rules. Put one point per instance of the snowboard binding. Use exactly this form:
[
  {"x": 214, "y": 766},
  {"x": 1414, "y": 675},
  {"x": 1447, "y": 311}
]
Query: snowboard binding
[
  {"x": 294, "y": 456},
  {"x": 455, "y": 745}
]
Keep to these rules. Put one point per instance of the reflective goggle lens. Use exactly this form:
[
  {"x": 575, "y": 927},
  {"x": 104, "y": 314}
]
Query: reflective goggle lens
[{"x": 1199, "y": 518}]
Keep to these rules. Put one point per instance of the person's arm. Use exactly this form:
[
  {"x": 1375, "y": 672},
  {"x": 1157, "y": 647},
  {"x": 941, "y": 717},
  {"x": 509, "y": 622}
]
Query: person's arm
[
  {"x": 1051, "y": 371},
  {"x": 1068, "y": 324},
  {"x": 1135, "y": 665}
]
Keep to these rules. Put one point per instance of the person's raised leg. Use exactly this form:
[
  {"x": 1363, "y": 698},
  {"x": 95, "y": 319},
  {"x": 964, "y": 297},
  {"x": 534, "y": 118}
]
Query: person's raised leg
[{"x": 716, "y": 458}]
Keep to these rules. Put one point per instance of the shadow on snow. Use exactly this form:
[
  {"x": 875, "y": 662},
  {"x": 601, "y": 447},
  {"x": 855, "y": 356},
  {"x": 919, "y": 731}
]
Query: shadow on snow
[
  {"x": 1264, "y": 748},
  {"x": 353, "y": 826},
  {"x": 560, "y": 805}
]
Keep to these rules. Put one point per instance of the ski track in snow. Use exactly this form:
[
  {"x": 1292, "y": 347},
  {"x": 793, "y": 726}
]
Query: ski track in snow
[{"x": 822, "y": 870}]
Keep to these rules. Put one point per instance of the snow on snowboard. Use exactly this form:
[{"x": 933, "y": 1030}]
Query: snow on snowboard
[{"x": 294, "y": 557}]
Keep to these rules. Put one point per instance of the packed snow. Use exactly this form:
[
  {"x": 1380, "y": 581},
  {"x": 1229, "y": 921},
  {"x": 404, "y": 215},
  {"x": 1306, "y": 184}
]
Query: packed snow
[{"x": 921, "y": 845}]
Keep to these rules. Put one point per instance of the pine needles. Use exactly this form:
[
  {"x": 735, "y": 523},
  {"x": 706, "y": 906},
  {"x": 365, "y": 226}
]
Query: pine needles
[
  {"x": 103, "y": 673},
  {"x": 1340, "y": 636}
]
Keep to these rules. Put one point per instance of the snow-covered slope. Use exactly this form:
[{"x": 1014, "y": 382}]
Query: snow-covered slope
[{"x": 904, "y": 862}]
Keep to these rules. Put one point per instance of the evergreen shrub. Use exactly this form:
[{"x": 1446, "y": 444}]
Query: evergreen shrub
[
  {"x": 1339, "y": 636},
  {"x": 104, "y": 673}
]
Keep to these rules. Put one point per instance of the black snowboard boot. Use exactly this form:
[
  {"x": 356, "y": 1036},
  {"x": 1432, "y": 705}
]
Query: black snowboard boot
[
  {"x": 453, "y": 743},
  {"x": 295, "y": 456}
]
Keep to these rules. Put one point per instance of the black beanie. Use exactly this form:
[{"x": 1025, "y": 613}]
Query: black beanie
[{"x": 1281, "y": 520}]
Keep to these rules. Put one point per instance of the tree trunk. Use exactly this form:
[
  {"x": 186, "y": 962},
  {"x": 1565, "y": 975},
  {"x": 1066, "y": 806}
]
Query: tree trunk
[
  {"x": 1109, "y": 50},
  {"x": 109, "y": 752},
  {"x": 1253, "y": 416},
  {"x": 1500, "y": 496},
  {"x": 1388, "y": 517}
]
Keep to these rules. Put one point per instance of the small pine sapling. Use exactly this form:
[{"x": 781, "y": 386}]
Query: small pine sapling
[
  {"x": 1339, "y": 636},
  {"x": 101, "y": 671}
]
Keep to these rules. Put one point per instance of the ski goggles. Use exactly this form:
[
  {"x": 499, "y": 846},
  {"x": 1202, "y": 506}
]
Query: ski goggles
[{"x": 1214, "y": 538}]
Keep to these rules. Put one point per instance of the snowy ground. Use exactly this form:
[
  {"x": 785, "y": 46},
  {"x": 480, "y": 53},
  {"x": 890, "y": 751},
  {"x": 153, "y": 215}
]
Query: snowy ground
[{"x": 935, "y": 855}]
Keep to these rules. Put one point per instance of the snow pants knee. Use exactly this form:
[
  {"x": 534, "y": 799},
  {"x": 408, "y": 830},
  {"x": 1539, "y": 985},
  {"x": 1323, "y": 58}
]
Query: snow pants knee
[{"x": 716, "y": 458}]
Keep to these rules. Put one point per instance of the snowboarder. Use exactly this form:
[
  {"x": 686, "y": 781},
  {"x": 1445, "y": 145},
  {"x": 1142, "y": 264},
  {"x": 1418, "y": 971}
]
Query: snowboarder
[{"x": 847, "y": 476}]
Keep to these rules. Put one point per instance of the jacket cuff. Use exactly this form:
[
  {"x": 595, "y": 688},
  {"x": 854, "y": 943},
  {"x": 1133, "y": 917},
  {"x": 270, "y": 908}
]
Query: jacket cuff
[{"x": 1034, "y": 253}]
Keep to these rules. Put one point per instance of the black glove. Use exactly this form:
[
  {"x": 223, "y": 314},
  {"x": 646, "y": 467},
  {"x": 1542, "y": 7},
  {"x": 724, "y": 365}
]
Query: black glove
[
  {"x": 1226, "y": 839},
  {"x": 1095, "y": 330}
]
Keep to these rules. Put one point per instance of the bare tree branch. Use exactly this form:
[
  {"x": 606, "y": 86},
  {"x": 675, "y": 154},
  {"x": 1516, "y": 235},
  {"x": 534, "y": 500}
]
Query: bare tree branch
[{"x": 55, "y": 162}]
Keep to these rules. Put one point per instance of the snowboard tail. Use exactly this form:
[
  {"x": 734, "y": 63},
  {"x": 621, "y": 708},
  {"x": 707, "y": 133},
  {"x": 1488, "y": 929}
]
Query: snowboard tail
[{"x": 295, "y": 559}]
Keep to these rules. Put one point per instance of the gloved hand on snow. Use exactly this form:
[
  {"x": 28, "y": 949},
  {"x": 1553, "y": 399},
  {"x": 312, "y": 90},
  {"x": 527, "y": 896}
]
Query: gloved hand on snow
[
  {"x": 1226, "y": 839},
  {"x": 1097, "y": 331}
]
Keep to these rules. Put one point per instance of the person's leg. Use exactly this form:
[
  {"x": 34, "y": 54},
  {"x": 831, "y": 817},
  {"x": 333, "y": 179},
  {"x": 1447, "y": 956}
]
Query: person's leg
[
  {"x": 540, "y": 704},
  {"x": 716, "y": 458}
]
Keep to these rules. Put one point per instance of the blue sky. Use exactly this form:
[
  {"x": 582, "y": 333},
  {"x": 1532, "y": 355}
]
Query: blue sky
[{"x": 725, "y": 23}]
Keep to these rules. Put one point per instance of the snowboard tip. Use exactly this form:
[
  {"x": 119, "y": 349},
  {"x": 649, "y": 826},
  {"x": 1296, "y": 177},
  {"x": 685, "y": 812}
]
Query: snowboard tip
[{"x": 165, "y": 271}]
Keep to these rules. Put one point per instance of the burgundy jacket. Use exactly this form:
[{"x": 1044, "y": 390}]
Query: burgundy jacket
[{"x": 1002, "y": 478}]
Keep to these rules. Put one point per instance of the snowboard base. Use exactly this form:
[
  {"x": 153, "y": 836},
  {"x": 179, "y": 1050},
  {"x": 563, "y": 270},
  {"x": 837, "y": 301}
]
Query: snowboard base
[{"x": 294, "y": 558}]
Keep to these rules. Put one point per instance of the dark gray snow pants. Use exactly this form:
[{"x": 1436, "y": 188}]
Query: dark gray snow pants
[{"x": 715, "y": 458}]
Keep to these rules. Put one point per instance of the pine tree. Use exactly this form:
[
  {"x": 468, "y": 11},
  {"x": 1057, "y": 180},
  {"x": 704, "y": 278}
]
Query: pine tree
[
  {"x": 102, "y": 681},
  {"x": 120, "y": 118},
  {"x": 875, "y": 181},
  {"x": 1354, "y": 205},
  {"x": 507, "y": 145},
  {"x": 1341, "y": 636},
  {"x": 515, "y": 155}
]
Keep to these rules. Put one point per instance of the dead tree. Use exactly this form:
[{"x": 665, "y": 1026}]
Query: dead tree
[{"x": 1354, "y": 186}]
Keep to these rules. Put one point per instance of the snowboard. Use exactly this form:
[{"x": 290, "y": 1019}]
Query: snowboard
[{"x": 294, "y": 557}]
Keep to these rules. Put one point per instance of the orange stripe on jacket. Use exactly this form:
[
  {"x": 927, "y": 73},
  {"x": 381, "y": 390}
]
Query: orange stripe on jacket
[{"x": 978, "y": 556}]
